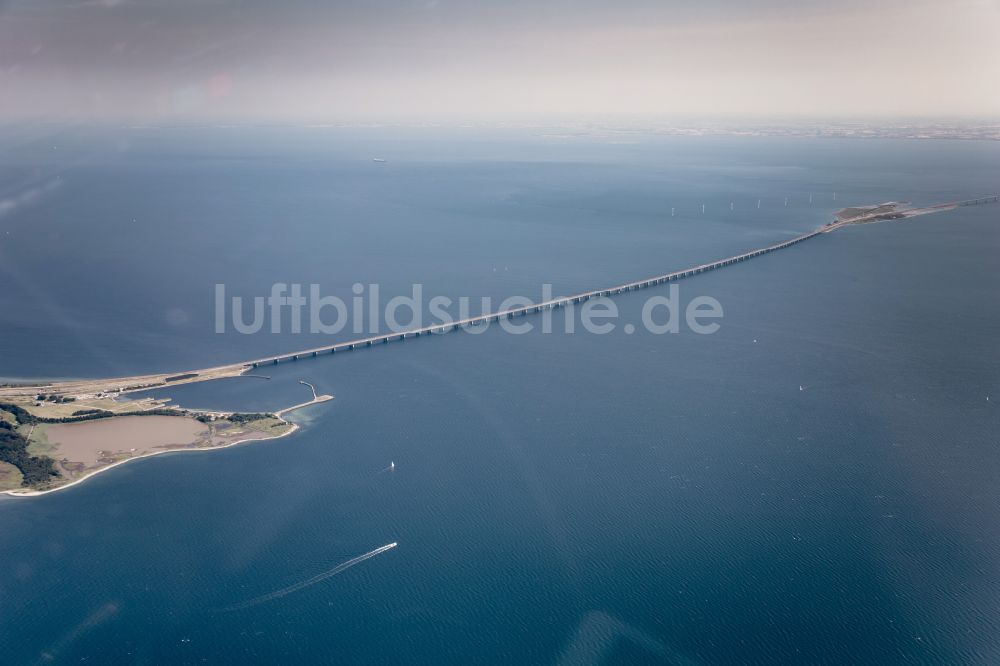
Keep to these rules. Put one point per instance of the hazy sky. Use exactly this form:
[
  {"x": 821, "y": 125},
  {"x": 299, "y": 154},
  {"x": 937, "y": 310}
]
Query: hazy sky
[{"x": 344, "y": 59}]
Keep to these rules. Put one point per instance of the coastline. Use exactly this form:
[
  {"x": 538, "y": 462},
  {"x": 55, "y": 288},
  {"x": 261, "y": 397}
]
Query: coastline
[{"x": 89, "y": 475}]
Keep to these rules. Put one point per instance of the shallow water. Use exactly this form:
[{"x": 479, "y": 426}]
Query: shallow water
[{"x": 82, "y": 442}]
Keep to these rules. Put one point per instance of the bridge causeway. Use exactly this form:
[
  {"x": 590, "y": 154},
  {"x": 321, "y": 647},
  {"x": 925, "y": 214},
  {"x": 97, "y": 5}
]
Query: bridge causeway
[
  {"x": 979, "y": 202},
  {"x": 120, "y": 385},
  {"x": 587, "y": 295},
  {"x": 533, "y": 308}
]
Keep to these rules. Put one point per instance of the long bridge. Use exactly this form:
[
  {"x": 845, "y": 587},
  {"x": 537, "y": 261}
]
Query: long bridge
[
  {"x": 532, "y": 308},
  {"x": 139, "y": 383},
  {"x": 582, "y": 297},
  {"x": 977, "y": 202}
]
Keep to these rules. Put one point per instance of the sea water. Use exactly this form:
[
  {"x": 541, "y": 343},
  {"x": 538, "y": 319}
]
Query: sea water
[{"x": 814, "y": 483}]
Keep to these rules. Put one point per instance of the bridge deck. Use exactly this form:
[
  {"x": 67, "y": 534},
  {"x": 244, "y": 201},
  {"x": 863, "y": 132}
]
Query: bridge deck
[
  {"x": 581, "y": 297},
  {"x": 536, "y": 307}
]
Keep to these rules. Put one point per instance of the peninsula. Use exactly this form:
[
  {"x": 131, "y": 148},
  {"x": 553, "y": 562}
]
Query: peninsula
[{"x": 58, "y": 441}]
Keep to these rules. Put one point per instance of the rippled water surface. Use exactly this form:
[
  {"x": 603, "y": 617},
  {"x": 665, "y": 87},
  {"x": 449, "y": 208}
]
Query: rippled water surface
[{"x": 814, "y": 483}]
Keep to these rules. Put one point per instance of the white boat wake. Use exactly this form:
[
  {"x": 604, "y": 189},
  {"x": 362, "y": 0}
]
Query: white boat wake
[{"x": 277, "y": 594}]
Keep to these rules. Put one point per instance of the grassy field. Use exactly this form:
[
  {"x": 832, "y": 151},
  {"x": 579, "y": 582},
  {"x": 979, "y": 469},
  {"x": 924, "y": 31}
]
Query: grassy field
[
  {"x": 10, "y": 476},
  {"x": 38, "y": 442},
  {"x": 54, "y": 410},
  {"x": 270, "y": 426}
]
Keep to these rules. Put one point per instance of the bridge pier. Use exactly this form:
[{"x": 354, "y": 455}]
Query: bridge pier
[{"x": 567, "y": 301}]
